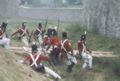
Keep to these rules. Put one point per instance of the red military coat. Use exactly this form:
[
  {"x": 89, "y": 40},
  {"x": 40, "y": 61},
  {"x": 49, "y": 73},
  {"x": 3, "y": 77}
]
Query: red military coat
[
  {"x": 22, "y": 32},
  {"x": 66, "y": 46},
  {"x": 55, "y": 41},
  {"x": 38, "y": 32},
  {"x": 80, "y": 46},
  {"x": 40, "y": 58}
]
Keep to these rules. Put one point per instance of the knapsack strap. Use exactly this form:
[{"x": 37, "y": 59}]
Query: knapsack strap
[
  {"x": 34, "y": 59},
  {"x": 62, "y": 45},
  {"x": 24, "y": 32},
  {"x": 40, "y": 31}
]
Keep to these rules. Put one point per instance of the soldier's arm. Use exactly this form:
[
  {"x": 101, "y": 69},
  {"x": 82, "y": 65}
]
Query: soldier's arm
[
  {"x": 28, "y": 33},
  {"x": 15, "y": 32},
  {"x": 27, "y": 58},
  {"x": 88, "y": 50}
]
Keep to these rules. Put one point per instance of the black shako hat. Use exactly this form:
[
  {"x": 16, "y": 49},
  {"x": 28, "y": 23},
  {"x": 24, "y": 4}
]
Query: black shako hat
[
  {"x": 83, "y": 37},
  {"x": 64, "y": 34},
  {"x": 40, "y": 24},
  {"x": 4, "y": 24}
]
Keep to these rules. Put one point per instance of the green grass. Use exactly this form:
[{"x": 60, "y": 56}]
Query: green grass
[{"x": 11, "y": 70}]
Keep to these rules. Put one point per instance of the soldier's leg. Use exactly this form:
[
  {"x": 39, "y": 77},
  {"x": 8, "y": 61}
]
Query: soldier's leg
[
  {"x": 52, "y": 73},
  {"x": 57, "y": 59},
  {"x": 7, "y": 43},
  {"x": 25, "y": 40},
  {"x": 63, "y": 57},
  {"x": 52, "y": 57},
  {"x": 55, "y": 53},
  {"x": 69, "y": 68},
  {"x": 1, "y": 42},
  {"x": 40, "y": 40},
  {"x": 84, "y": 64},
  {"x": 90, "y": 62}
]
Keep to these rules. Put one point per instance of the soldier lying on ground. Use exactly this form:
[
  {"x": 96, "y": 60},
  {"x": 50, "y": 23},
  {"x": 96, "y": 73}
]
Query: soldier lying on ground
[{"x": 35, "y": 58}]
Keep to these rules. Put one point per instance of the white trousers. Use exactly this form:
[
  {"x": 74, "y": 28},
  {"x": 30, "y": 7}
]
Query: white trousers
[
  {"x": 52, "y": 73},
  {"x": 5, "y": 42},
  {"x": 25, "y": 40},
  {"x": 40, "y": 40},
  {"x": 87, "y": 58},
  {"x": 71, "y": 59}
]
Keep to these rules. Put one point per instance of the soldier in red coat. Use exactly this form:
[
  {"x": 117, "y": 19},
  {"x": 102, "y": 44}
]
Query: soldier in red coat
[
  {"x": 39, "y": 33},
  {"x": 51, "y": 44},
  {"x": 80, "y": 43},
  {"x": 85, "y": 53},
  {"x": 4, "y": 40},
  {"x": 55, "y": 52},
  {"x": 87, "y": 58},
  {"x": 23, "y": 34},
  {"x": 35, "y": 59},
  {"x": 46, "y": 43},
  {"x": 67, "y": 52},
  {"x": 66, "y": 46}
]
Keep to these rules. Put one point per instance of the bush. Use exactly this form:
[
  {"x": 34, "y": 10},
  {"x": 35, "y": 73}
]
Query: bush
[{"x": 116, "y": 67}]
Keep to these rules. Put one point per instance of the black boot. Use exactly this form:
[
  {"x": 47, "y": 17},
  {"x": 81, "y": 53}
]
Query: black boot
[{"x": 69, "y": 68}]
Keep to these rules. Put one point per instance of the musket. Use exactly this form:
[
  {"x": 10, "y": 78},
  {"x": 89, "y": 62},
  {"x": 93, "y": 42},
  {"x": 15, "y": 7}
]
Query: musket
[
  {"x": 58, "y": 25},
  {"x": 46, "y": 22},
  {"x": 45, "y": 26}
]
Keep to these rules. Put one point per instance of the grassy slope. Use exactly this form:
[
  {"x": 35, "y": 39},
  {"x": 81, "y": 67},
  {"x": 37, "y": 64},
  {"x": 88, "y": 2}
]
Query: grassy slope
[
  {"x": 103, "y": 67},
  {"x": 11, "y": 70}
]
